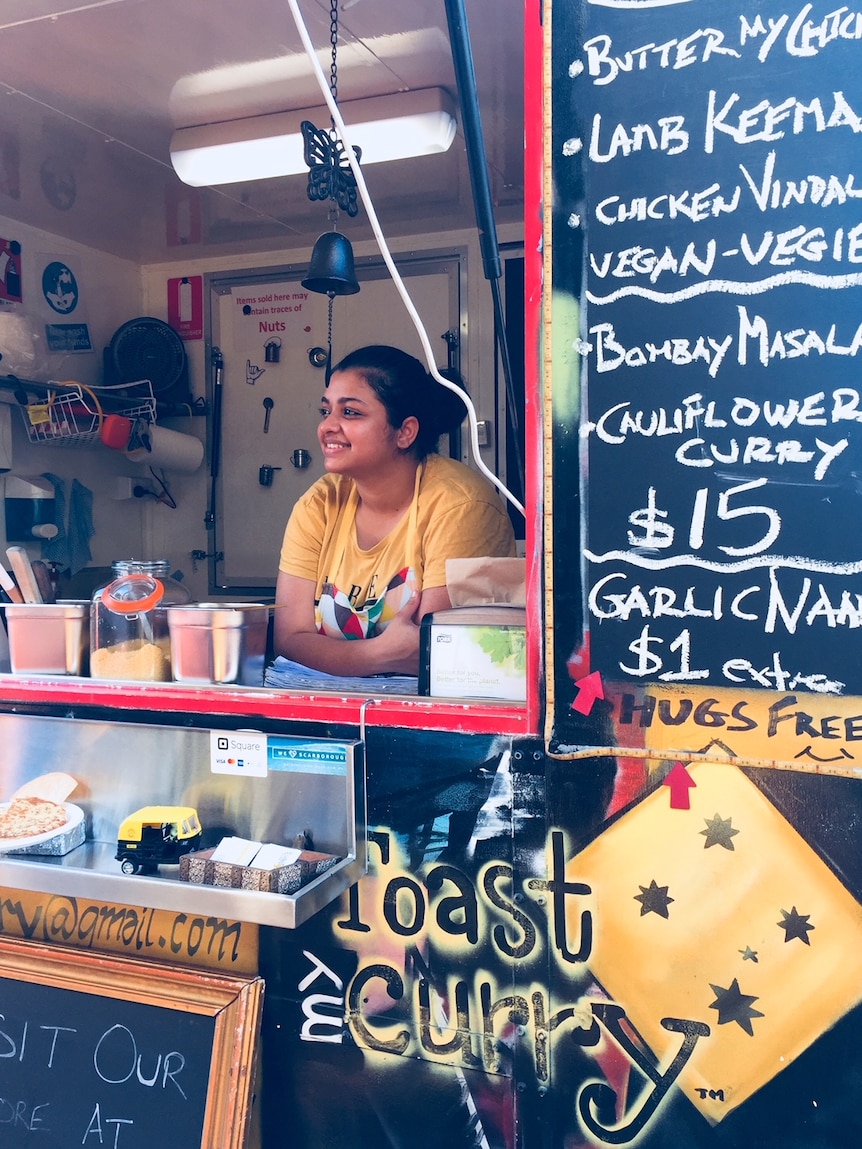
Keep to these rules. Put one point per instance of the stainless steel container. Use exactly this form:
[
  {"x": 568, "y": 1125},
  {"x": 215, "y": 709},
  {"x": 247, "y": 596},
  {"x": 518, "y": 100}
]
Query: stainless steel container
[
  {"x": 48, "y": 638},
  {"x": 214, "y": 642}
]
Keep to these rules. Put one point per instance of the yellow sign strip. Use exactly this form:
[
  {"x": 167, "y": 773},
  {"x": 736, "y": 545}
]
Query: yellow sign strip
[{"x": 201, "y": 940}]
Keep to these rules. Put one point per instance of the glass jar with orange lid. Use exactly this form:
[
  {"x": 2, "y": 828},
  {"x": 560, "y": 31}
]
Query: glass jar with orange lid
[{"x": 129, "y": 636}]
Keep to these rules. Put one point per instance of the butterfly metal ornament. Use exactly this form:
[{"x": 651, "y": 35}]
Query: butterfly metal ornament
[{"x": 329, "y": 173}]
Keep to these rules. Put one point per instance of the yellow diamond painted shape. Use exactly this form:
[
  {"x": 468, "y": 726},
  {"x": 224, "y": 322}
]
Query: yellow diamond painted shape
[{"x": 721, "y": 914}]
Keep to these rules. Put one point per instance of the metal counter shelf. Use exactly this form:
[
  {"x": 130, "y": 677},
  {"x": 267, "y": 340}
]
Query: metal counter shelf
[
  {"x": 314, "y": 785},
  {"x": 91, "y": 872}
]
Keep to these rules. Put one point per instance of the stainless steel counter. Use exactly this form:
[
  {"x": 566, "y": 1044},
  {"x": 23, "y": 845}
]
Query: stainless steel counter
[{"x": 121, "y": 766}]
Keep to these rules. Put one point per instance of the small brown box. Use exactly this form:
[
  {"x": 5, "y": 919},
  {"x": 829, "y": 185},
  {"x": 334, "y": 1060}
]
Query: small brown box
[
  {"x": 255, "y": 879},
  {"x": 227, "y": 875},
  {"x": 199, "y": 869},
  {"x": 293, "y": 877}
]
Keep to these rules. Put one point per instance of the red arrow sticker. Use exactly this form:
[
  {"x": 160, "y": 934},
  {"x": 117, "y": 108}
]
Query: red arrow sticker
[
  {"x": 589, "y": 689},
  {"x": 680, "y": 782}
]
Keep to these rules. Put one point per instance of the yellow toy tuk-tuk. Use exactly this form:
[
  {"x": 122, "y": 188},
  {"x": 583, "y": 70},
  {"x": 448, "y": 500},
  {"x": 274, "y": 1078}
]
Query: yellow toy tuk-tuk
[{"x": 157, "y": 835}]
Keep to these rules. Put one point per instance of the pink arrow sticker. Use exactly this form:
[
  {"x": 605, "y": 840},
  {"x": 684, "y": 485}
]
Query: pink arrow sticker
[
  {"x": 589, "y": 689},
  {"x": 680, "y": 782}
]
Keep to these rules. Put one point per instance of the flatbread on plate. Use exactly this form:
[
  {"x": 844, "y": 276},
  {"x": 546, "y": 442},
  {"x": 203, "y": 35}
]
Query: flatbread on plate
[
  {"x": 54, "y": 787},
  {"x": 26, "y": 817}
]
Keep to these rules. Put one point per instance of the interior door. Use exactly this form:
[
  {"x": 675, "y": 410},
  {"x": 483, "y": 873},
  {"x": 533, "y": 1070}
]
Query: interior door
[{"x": 272, "y": 335}]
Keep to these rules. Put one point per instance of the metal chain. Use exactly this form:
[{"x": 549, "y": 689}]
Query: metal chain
[
  {"x": 333, "y": 87},
  {"x": 333, "y": 39}
]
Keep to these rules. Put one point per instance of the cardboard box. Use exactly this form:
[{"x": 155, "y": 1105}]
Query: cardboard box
[{"x": 474, "y": 652}]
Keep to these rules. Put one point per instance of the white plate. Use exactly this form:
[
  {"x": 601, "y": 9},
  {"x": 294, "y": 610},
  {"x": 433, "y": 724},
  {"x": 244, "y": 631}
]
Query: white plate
[{"x": 75, "y": 817}]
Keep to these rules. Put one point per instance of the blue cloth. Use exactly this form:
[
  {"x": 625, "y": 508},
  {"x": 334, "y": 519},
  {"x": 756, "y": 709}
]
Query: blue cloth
[
  {"x": 70, "y": 549},
  {"x": 293, "y": 675},
  {"x": 80, "y": 526}
]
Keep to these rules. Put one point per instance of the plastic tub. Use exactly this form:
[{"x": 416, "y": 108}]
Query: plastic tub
[
  {"x": 48, "y": 638},
  {"x": 214, "y": 643}
]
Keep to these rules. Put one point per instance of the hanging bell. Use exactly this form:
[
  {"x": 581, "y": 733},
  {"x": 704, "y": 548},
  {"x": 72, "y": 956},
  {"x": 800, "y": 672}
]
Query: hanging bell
[{"x": 331, "y": 271}]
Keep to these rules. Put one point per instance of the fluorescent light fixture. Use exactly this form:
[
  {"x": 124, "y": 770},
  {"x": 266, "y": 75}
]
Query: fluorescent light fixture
[{"x": 260, "y": 147}]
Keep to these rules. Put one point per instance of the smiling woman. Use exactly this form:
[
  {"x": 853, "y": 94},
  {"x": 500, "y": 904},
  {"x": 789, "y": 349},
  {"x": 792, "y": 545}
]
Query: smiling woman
[{"x": 365, "y": 550}]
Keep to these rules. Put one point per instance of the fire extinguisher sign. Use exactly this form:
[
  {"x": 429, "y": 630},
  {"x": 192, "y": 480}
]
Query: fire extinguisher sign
[
  {"x": 186, "y": 306},
  {"x": 10, "y": 270}
]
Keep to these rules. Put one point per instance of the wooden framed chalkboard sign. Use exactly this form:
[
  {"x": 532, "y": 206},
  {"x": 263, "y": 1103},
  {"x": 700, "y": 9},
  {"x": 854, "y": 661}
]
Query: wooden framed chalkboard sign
[{"x": 98, "y": 1051}]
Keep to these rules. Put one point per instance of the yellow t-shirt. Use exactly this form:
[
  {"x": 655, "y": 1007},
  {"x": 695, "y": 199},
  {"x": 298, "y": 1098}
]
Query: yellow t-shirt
[{"x": 458, "y": 514}]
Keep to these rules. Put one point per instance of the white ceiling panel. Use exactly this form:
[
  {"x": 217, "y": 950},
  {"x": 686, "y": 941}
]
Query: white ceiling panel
[{"x": 91, "y": 92}]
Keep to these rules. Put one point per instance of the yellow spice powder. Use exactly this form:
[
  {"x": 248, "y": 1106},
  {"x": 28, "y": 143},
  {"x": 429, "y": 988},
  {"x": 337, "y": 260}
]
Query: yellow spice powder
[{"x": 139, "y": 660}]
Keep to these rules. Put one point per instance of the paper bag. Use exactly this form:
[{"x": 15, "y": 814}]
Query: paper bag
[{"x": 486, "y": 582}]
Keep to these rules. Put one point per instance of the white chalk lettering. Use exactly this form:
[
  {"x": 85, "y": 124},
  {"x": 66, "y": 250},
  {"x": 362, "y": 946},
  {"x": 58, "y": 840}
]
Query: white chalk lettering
[
  {"x": 95, "y": 1127},
  {"x": 669, "y": 136},
  {"x": 647, "y": 261},
  {"x": 765, "y": 121},
  {"x": 794, "y": 344},
  {"x": 696, "y": 48},
  {"x": 771, "y": 193},
  {"x": 801, "y": 36},
  {"x": 681, "y": 352},
  {"x": 696, "y": 206},
  {"x": 617, "y": 423},
  {"x": 783, "y": 249},
  {"x": 116, "y": 1058},
  {"x": 615, "y": 597},
  {"x": 775, "y": 677},
  {"x": 758, "y": 449}
]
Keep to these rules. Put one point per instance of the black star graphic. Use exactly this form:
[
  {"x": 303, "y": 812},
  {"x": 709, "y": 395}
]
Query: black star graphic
[
  {"x": 654, "y": 899},
  {"x": 718, "y": 832},
  {"x": 733, "y": 1005},
  {"x": 748, "y": 954},
  {"x": 795, "y": 925}
]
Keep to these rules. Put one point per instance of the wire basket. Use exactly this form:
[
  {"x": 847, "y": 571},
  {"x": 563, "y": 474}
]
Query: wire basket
[{"x": 73, "y": 416}]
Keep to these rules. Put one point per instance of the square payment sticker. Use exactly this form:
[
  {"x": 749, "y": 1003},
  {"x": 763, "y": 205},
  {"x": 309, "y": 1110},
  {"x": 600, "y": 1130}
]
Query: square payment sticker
[{"x": 238, "y": 752}]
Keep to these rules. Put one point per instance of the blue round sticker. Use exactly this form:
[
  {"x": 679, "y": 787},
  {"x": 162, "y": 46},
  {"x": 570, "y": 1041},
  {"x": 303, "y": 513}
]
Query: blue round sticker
[{"x": 60, "y": 288}]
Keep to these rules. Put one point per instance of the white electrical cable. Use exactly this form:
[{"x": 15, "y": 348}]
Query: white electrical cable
[{"x": 342, "y": 131}]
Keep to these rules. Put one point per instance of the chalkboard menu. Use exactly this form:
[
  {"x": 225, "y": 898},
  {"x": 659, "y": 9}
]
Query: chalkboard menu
[
  {"x": 105, "y": 1051},
  {"x": 707, "y": 277},
  {"x": 77, "y": 1067}
]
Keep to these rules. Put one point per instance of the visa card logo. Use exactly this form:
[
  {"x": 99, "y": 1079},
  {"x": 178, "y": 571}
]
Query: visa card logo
[{"x": 244, "y": 752}]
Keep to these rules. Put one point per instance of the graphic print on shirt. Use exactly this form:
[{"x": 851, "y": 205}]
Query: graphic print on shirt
[{"x": 336, "y": 617}]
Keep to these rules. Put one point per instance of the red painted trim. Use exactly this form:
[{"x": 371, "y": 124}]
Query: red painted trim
[
  {"x": 468, "y": 717},
  {"x": 533, "y": 83}
]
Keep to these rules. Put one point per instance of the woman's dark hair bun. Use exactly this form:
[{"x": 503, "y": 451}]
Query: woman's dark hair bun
[
  {"x": 451, "y": 409},
  {"x": 405, "y": 388}
]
